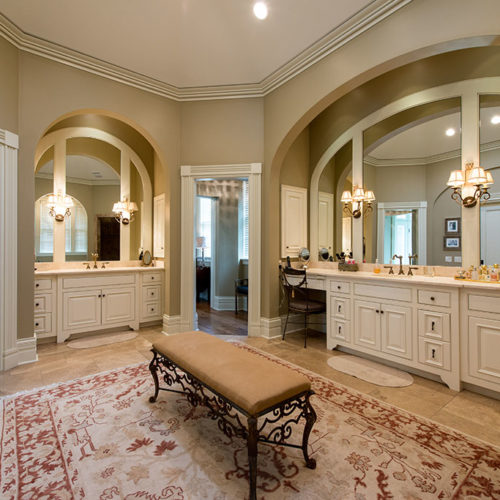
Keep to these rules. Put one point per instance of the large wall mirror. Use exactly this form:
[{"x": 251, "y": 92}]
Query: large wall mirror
[
  {"x": 335, "y": 227},
  {"x": 489, "y": 135},
  {"x": 407, "y": 159},
  {"x": 95, "y": 176}
]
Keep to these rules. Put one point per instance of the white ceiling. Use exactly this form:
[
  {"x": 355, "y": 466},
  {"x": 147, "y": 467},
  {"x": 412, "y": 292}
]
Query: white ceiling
[
  {"x": 429, "y": 139},
  {"x": 83, "y": 169},
  {"x": 188, "y": 43}
]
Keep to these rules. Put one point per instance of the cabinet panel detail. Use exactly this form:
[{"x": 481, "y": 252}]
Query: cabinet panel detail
[
  {"x": 43, "y": 323},
  {"x": 484, "y": 349},
  {"x": 43, "y": 303},
  {"x": 341, "y": 330},
  {"x": 367, "y": 324},
  {"x": 341, "y": 308},
  {"x": 434, "y": 325},
  {"x": 82, "y": 309},
  {"x": 99, "y": 280},
  {"x": 340, "y": 286},
  {"x": 484, "y": 303},
  {"x": 383, "y": 292},
  {"x": 434, "y": 298},
  {"x": 118, "y": 305},
  {"x": 396, "y": 330},
  {"x": 43, "y": 284}
]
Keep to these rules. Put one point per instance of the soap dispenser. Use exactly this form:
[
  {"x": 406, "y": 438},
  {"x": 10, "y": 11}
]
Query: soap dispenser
[{"x": 376, "y": 269}]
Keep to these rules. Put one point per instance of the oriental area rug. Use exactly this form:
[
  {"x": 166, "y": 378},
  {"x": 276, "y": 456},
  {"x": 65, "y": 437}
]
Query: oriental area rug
[{"x": 99, "y": 438}]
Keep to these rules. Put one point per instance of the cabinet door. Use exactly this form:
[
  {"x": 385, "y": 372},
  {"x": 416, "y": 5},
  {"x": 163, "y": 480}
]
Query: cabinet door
[
  {"x": 396, "y": 330},
  {"x": 118, "y": 305},
  {"x": 325, "y": 221},
  {"x": 159, "y": 226},
  {"x": 367, "y": 324},
  {"x": 483, "y": 348},
  {"x": 293, "y": 220},
  {"x": 82, "y": 310}
]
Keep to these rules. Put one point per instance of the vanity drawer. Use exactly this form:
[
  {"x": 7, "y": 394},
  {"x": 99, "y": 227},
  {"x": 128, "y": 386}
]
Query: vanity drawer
[
  {"x": 340, "y": 308},
  {"x": 383, "y": 292},
  {"x": 340, "y": 286},
  {"x": 434, "y": 298},
  {"x": 151, "y": 278},
  {"x": 434, "y": 325},
  {"x": 434, "y": 353},
  {"x": 151, "y": 309},
  {"x": 43, "y": 303},
  {"x": 151, "y": 293},
  {"x": 43, "y": 323},
  {"x": 341, "y": 330},
  {"x": 43, "y": 284},
  {"x": 96, "y": 280},
  {"x": 316, "y": 283},
  {"x": 484, "y": 303}
]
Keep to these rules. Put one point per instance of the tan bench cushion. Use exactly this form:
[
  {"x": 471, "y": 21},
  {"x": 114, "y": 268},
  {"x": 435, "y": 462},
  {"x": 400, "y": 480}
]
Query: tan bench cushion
[{"x": 251, "y": 382}]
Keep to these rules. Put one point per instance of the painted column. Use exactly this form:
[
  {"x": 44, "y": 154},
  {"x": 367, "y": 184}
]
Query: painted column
[
  {"x": 124, "y": 194},
  {"x": 471, "y": 250},
  {"x": 357, "y": 180},
  {"x": 60, "y": 187}
]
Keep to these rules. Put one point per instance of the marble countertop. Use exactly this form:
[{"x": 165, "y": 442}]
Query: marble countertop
[
  {"x": 52, "y": 272},
  {"x": 394, "y": 278}
]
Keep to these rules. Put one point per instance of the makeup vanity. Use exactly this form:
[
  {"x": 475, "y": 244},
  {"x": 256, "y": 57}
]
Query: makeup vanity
[{"x": 69, "y": 301}]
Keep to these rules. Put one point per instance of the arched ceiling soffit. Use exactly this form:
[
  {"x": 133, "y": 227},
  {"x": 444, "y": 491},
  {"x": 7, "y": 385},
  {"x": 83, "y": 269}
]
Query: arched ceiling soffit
[
  {"x": 134, "y": 139},
  {"x": 87, "y": 146},
  {"x": 345, "y": 106}
]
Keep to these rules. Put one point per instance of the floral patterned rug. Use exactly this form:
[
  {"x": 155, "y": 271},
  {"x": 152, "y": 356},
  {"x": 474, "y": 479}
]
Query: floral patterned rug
[{"x": 100, "y": 438}]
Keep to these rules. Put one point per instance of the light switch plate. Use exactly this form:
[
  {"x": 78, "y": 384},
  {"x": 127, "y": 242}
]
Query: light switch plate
[
  {"x": 448, "y": 258},
  {"x": 458, "y": 258}
]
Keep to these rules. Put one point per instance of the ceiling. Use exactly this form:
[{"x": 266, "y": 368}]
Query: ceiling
[{"x": 194, "y": 43}]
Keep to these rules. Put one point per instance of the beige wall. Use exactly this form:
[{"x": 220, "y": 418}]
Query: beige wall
[
  {"x": 9, "y": 86},
  {"x": 295, "y": 171}
]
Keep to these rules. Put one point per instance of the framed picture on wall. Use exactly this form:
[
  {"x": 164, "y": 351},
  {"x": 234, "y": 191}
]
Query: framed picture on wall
[
  {"x": 452, "y": 243},
  {"x": 452, "y": 226}
]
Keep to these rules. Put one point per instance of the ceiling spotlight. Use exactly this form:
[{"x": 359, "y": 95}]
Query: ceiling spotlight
[
  {"x": 495, "y": 120},
  {"x": 260, "y": 10},
  {"x": 450, "y": 132}
]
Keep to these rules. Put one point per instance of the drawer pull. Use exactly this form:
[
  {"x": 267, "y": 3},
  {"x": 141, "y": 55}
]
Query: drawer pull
[
  {"x": 381, "y": 312},
  {"x": 338, "y": 287},
  {"x": 339, "y": 308},
  {"x": 152, "y": 277},
  {"x": 37, "y": 285},
  {"x": 103, "y": 295},
  {"x": 377, "y": 311},
  {"x": 433, "y": 324},
  {"x": 340, "y": 329},
  {"x": 37, "y": 324},
  {"x": 433, "y": 353},
  {"x": 37, "y": 304},
  {"x": 433, "y": 298},
  {"x": 99, "y": 295}
]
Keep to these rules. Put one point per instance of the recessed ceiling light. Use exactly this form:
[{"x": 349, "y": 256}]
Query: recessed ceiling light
[
  {"x": 450, "y": 132},
  {"x": 495, "y": 119},
  {"x": 260, "y": 10}
]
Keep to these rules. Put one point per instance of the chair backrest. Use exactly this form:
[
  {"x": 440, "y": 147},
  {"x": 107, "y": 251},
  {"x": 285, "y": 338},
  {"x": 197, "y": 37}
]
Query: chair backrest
[{"x": 297, "y": 289}]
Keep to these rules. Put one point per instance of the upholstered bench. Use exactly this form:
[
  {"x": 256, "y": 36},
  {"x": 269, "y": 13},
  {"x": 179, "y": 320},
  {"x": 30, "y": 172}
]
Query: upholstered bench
[{"x": 233, "y": 382}]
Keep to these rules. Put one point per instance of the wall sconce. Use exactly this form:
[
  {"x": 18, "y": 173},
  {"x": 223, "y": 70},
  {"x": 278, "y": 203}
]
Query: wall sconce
[
  {"x": 59, "y": 206},
  {"x": 471, "y": 185},
  {"x": 361, "y": 202},
  {"x": 124, "y": 211}
]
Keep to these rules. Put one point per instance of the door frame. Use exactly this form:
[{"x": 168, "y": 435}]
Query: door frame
[{"x": 190, "y": 174}]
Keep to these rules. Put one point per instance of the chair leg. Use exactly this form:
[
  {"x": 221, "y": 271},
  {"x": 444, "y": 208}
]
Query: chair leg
[
  {"x": 235, "y": 303},
  {"x": 305, "y": 327},
  {"x": 286, "y": 323}
]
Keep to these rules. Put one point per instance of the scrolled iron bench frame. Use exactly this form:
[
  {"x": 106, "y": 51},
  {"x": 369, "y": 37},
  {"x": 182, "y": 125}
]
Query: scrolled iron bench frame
[{"x": 229, "y": 422}]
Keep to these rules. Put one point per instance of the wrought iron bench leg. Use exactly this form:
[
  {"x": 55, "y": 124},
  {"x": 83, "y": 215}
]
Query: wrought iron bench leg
[
  {"x": 310, "y": 416},
  {"x": 253, "y": 437},
  {"x": 152, "y": 369}
]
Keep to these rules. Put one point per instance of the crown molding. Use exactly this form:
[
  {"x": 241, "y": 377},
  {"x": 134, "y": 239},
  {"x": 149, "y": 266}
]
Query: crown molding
[
  {"x": 425, "y": 160},
  {"x": 360, "y": 22}
]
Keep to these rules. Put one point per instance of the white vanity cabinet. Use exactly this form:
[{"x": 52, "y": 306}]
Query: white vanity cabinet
[
  {"x": 481, "y": 338},
  {"x": 151, "y": 296},
  {"x": 396, "y": 320},
  {"x": 293, "y": 220}
]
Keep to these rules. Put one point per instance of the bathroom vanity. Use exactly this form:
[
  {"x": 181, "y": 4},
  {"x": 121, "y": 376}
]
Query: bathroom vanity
[
  {"x": 437, "y": 325},
  {"x": 69, "y": 301}
]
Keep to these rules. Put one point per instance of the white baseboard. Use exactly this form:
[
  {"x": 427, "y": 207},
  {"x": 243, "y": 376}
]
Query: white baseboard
[
  {"x": 24, "y": 352},
  {"x": 171, "y": 324},
  {"x": 226, "y": 303},
  {"x": 270, "y": 328}
]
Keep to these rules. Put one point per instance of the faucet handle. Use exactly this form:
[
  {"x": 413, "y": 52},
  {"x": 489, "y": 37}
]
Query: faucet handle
[
  {"x": 86, "y": 264},
  {"x": 391, "y": 270},
  {"x": 410, "y": 269},
  {"x": 104, "y": 264}
]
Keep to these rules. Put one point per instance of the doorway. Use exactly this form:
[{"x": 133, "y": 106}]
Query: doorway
[
  {"x": 189, "y": 176},
  {"x": 221, "y": 255},
  {"x": 108, "y": 238}
]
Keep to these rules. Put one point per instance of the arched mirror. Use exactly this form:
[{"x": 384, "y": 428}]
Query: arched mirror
[{"x": 407, "y": 160}]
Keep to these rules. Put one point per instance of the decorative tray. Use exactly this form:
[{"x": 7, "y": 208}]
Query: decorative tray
[
  {"x": 478, "y": 281},
  {"x": 347, "y": 267}
]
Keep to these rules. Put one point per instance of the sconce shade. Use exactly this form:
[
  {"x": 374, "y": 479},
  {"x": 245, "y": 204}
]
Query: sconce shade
[
  {"x": 124, "y": 211},
  {"x": 346, "y": 197},
  {"x": 369, "y": 196},
  {"x": 201, "y": 242},
  {"x": 476, "y": 176},
  {"x": 359, "y": 194},
  {"x": 59, "y": 206},
  {"x": 457, "y": 179},
  {"x": 489, "y": 179}
]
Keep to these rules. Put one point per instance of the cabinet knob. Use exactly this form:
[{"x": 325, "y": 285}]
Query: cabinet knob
[
  {"x": 37, "y": 324},
  {"x": 433, "y": 298},
  {"x": 103, "y": 295},
  {"x": 37, "y": 285},
  {"x": 381, "y": 312},
  {"x": 99, "y": 295},
  {"x": 377, "y": 311},
  {"x": 37, "y": 304},
  {"x": 338, "y": 287}
]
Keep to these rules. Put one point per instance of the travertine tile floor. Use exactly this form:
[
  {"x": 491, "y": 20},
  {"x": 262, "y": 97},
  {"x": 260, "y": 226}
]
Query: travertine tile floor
[{"x": 468, "y": 412}]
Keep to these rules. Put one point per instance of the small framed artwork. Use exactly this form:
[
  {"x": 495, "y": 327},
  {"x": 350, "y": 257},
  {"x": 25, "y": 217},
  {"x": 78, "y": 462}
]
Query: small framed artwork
[
  {"x": 452, "y": 226},
  {"x": 452, "y": 243}
]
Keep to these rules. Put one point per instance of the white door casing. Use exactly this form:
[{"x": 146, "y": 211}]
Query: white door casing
[
  {"x": 189, "y": 174},
  {"x": 159, "y": 226}
]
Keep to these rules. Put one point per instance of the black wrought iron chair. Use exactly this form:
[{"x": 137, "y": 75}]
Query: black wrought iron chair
[
  {"x": 240, "y": 288},
  {"x": 294, "y": 283}
]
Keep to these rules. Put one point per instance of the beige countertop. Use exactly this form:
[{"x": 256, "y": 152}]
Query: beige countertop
[
  {"x": 52, "y": 272},
  {"x": 395, "y": 278}
]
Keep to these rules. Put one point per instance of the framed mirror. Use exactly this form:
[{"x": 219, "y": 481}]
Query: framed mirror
[
  {"x": 324, "y": 254},
  {"x": 304, "y": 255},
  {"x": 406, "y": 162}
]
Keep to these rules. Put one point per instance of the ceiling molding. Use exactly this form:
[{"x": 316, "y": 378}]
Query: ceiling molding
[
  {"x": 339, "y": 36},
  {"x": 79, "y": 180},
  {"x": 426, "y": 160}
]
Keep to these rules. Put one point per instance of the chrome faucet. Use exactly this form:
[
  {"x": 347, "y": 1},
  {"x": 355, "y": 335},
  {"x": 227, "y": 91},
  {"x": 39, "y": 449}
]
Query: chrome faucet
[
  {"x": 400, "y": 257},
  {"x": 94, "y": 257}
]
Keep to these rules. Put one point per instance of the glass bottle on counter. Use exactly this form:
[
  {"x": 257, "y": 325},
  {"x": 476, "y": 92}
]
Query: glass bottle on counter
[{"x": 376, "y": 269}]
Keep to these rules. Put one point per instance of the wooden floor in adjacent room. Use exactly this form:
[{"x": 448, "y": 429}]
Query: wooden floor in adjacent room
[
  {"x": 465, "y": 411},
  {"x": 221, "y": 322}
]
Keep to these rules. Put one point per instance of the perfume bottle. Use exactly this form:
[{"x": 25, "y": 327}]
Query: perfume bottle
[{"x": 376, "y": 269}]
